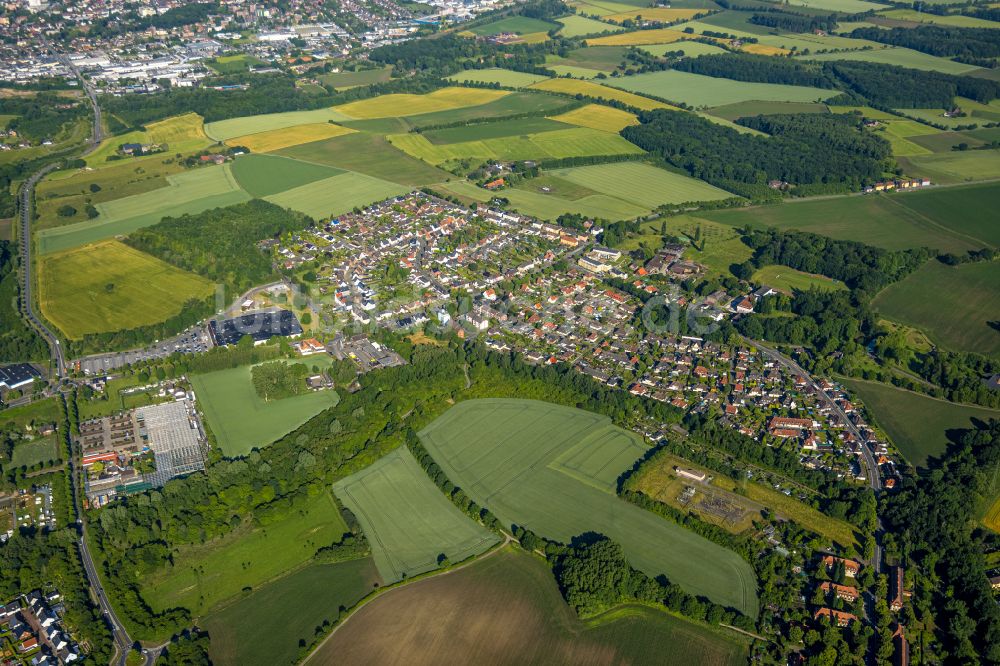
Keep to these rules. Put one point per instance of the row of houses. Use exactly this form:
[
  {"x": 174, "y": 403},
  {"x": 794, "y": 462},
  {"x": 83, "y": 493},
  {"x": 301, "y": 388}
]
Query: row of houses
[{"x": 33, "y": 625}]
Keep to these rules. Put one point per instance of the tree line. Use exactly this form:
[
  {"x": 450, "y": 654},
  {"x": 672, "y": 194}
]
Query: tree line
[
  {"x": 18, "y": 341},
  {"x": 938, "y": 40}
]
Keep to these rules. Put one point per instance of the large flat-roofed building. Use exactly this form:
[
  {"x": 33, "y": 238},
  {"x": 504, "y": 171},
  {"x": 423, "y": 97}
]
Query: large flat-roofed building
[
  {"x": 261, "y": 326},
  {"x": 174, "y": 434},
  {"x": 17, "y": 376}
]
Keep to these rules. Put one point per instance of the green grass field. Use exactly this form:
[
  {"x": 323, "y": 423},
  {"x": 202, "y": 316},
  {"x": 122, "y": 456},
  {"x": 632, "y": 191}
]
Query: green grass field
[
  {"x": 205, "y": 575},
  {"x": 337, "y": 195},
  {"x": 748, "y": 109},
  {"x": 511, "y": 104},
  {"x": 36, "y": 413},
  {"x": 597, "y": 91},
  {"x": 690, "y": 49},
  {"x": 222, "y": 130},
  {"x": 955, "y": 167},
  {"x": 521, "y": 25},
  {"x": 291, "y": 608},
  {"x": 597, "y": 116},
  {"x": 37, "y": 451},
  {"x": 520, "y": 127},
  {"x": 897, "y": 56},
  {"x": 110, "y": 286},
  {"x": 574, "y": 71},
  {"x": 953, "y": 305},
  {"x": 365, "y": 77},
  {"x": 503, "y": 77},
  {"x": 191, "y": 191},
  {"x": 805, "y": 41},
  {"x": 272, "y": 140},
  {"x": 577, "y": 26},
  {"x": 180, "y": 134},
  {"x": 407, "y": 519},
  {"x": 600, "y": 58},
  {"x": 263, "y": 175},
  {"x": 527, "y": 199},
  {"x": 916, "y": 424},
  {"x": 554, "y": 470},
  {"x": 719, "y": 248},
  {"x": 844, "y": 6},
  {"x": 944, "y": 142},
  {"x": 507, "y": 609},
  {"x": 368, "y": 154},
  {"x": 790, "y": 280},
  {"x": 705, "y": 91},
  {"x": 573, "y": 142},
  {"x": 241, "y": 420},
  {"x": 641, "y": 184},
  {"x": 946, "y": 219},
  {"x": 956, "y": 20},
  {"x": 406, "y": 104}
]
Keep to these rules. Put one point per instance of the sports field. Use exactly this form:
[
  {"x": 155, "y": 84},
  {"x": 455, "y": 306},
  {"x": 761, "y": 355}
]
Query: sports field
[
  {"x": 180, "y": 134},
  {"x": 572, "y": 142},
  {"x": 896, "y": 55},
  {"x": 241, "y": 420},
  {"x": 263, "y": 175},
  {"x": 223, "y": 130},
  {"x": 368, "y": 154},
  {"x": 597, "y": 91},
  {"x": 337, "y": 195},
  {"x": 204, "y": 575},
  {"x": 109, "y": 286},
  {"x": 790, "y": 280},
  {"x": 191, "y": 191},
  {"x": 703, "y": 91},
  {"x": 507, "y": 609},
  {"x": 503, "y": 77},
  {"x": 953, "y": 305},
  {"x": 264, "y": 142},
  {"x": 407, "y": 519},
  {"x": 554, "y": 470},
  {"x": 577, "y": 26},
  {"x": 947, "y": 219},
  {"x": 387, "y": 106},
  {"x": 599, "y": 117},
  {"x": 291, "y": 608},
  {"x": 917, "y": 424}
]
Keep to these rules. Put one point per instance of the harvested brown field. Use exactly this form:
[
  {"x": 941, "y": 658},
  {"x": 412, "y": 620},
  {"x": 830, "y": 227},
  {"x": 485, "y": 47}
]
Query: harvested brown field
[{"x": 506, "y": 609}]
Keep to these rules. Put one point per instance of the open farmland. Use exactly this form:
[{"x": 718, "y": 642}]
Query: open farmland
[
  {"x": 223, "y": 130},
  {"x": 599, "y": 117},
  {"x": 263, "y": 175},
  {"x": 110, "y": 286},
  {"x": 506, "y": 608},
  {"x": 179, "y": 134},
  {"x": 387, "y": 106},
  {"x": 641, "y": 184},
  {"x": 594, "y": 58},
  {"x": 265, "y": 142},
  {"x": 348, "y": 79},
  {"x": 897, "y": 56},
  {"x": 554, "y": 470},
  {"x": 550, "y": 205},
  {"x": 204, "y": 575},
  {"x": 844, "y": 6},
  {"x": 597, "y": 91},
  {"x": 690, "y": 49},
  {"x": 291, "y": 607},
  {"x": 955, "y": 167},
  {"x": 496, "y": 129},
  {"x": 756, "y": 108},
  {"x": 519, "y": 25},
  {"x": 702, "y": 91},
  {"x": 407, "y": 519},
  {"x": 191, "y": 191},
  {"x": 719, "y": 248},
  {"x": 368, "y": 154},
  {"x": 790, "y": 280},
  {"x": 663, "y": 14},
  {"x": 577, "y": 26},
  {"x": 953, "y": 305},
  {"x": 503, "y": 77},
  {"x": 915, "y": 423},
  {"x": 573, "y": 142},
  {"x": 955, "y": 20},
  {"x": 241, "y": 420},
  {"x": 641, "y": 37},
  {"x": 943, "y": 219},
  {"x": 337, "y": 195}
]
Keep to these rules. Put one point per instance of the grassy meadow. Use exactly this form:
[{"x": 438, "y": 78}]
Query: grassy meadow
[
  {"x": 409, "y": 523},
  {"x": 790, "y": 280},
  {"x": 224, "y": 130},
  {"x": 205, "y": 575},
  {"x": 554, "y": 470},
  {"x": 506, "y": 608},
  {"x": 241, "y": 420},
  {"x": 28, "y": 454},
  {"x": 641, "y": 184},
  {"x": 337, "y": 195},
  {"x": 597, "y": 91},
  {"x": 109, "y": 286},
  {"x": 364, "y": 77},
  {"x": 264, "y": 175},
  {"x": 596, "y": 116},
  {"x": 916, "y": 424},
  {"x": 503, "y": 77},
  {"x": 265, "y": 142},
  {"x": 291, "y": 608},
  {"x": 899, "y": 56},
  {"x": 575, "y": 25},
  {"x": 443, "y": 99},
  {"x": 179, "y": 134},
  {"x": 955, "y": 167},
  {"x": 706, "y": 91},
  {"x": 758, "y": 108}
]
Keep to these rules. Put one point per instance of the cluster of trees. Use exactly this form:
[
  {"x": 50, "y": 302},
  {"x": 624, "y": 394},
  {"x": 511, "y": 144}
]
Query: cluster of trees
[
  {"x": 188, "y": 649},
  {"x": 961, "y": 375},
  {"x": 794, "y": 22},
  {"x": 221, "y": 244},
  {"x": 18, "y": 341},
  {"x": 42, "y": 116},
  {"x": 939, "y": 40},
  {"x": 277, "y": 379},
  {"x": 824, "y": 152},
  {"x": 900, "y": 87},
  {"x": 930, "y": 519},
  {"x": 450, "y": 53},
  {"x": 762, "y": 69}
]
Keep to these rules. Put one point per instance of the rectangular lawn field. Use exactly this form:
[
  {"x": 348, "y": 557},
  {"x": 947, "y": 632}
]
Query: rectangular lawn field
[
  {"x": 578, "y": 26},
  {"x": 954, "y": 305},
  {"x": 503, "y": 77},
  {"x": 292, "y": 607},
  {"x": 110, "y": 286},
  {"x": 407, "y": 519},
  {"x": 507, "y": 609},
  {"x": 965, "y": 166},
  {"x": 265, "y": 142},
  {"x": 701, "y": 91},
  {"x": 597, "y": 91},
  {"x": 37, "y": 451},
  {"x": 203, "y": 576},
  {"x": 497, "y": 129},
  {"x": 790, "y": 280},
  {"x": 405, "y": 104},
  {"x": 241, "y": 420},
  {"x": 553, "y": 469},
  {"x": 223, "y": 130},
  {"x": 641, "y": 184},
  {"x": 896, "y": 55},
  {"x": 364, "y": 77},
  {"x": 756, "y": 108},
  {"x": 263, "y": 175},
  {"x": 519, "y": 25},
  {"x": 337, "y": 195},
  {"x": 915, "y": 423},
  {"x": 599, "y": 117}
]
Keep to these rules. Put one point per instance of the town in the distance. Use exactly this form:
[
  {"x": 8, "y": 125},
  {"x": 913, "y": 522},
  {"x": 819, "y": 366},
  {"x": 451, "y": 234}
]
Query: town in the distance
[{"x": 562, "y": 332}]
